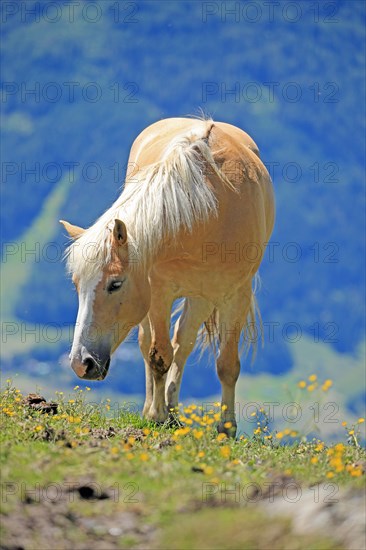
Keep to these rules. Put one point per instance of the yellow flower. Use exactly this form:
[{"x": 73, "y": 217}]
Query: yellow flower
[
  {"x": 71, "y": 400},
  {"x": 313, "y": 377},
  {"x": 326, "y": 385},
  {"x": 201, "y": 454},
  {"x": 114, "y": 450},
  {"x": 208, "y": 470},
  {"x": 129, "y": 456},
  {"x": 257, "y": 431},
  {"x": 311, "y": 387},
  {"x": 197, "y": 434},
  {"x": 228, "y": 425},
  {"x": 329, "y": 475},
  {"x": 344, "y": 423},
  {"x": 314, "y": 460},
  {"x": 339, "y": 448},
  {"x": 356, "y": 472},
  {"x": 131, "y": 440},
  {"x": 217, "y": 417},
  {"x": 87, "y": 388},
  {"x": 279, "y": 435},
  {"x": 178, "y": 447},
  {"x": 38, "y": 428},
  {"x": 76, "y": 387},
  {"x": 146, "y": 431},
  {"x": 351, "y": 432},
  {"x": 221, "y": 437},
  {"x": 293, "y": 433},
  {"x": 287, "y": 431},
  {"x": 74, "y": 419},
  {"x": 360, "y": 420},
  {"x": 302, "y": 384},
  {"x": 144, "y": 457},
  {"x": 225, "y": 451},
  {"x": 319, "y": 447},
  {"x": 223, "y": 407}
]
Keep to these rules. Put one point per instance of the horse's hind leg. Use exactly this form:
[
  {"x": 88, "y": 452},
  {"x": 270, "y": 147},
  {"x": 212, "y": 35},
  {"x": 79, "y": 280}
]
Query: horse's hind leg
[
  {"x": 232, "y": 318},
  {"x": 195, "y": 312}
]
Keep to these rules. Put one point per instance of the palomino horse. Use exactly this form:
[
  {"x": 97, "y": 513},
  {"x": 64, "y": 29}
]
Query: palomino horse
[{"x": 192, "y": 221}]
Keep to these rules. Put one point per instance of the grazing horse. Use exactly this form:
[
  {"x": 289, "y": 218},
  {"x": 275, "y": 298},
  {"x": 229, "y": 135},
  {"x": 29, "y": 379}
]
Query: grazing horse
[{"x": 192, "y": 222}]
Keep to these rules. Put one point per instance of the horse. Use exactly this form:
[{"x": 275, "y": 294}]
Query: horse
[{"x": 192, "y": 222}]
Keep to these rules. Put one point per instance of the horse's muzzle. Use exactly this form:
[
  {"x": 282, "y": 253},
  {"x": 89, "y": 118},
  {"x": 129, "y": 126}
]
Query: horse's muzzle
[{"x": 88, "y": 367}]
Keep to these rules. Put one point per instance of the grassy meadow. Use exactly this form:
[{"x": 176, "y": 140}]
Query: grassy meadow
[{"x": 81, "y": 475}]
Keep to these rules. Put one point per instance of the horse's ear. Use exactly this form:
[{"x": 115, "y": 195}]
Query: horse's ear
[
  {"x": 120, "y": 232},
  {"x": 73, "y": 230}
]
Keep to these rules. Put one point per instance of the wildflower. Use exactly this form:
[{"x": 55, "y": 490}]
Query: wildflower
[
  {"x": 87, "y": 388},
  {"x": 319, "y": 447},
  {"x": 208, "y": 470},
  {"x": 76, "y": 387},
  {"x": 360, "y": 420},
  {"x": 129, "y": 456},
  {"x": 287, "y": 431},
  {"x": 311, "y": 387},
  {"x": 71, "y": 400},
  {"x": 253, "y": 414},
  {"x": 223, "y": 407},
  {"x": 225, "y": 451},
  {"x": 114, "y": 450},
  {"x": 293, "y": 433},
  {"x": 221, "y": 437},
  {"x": 178, "y": 447},
  {"x": 144, "y": 457},
  {"x": 339, "y": 448},
  {"x": 257, "y": 431},
  {"x": 131, "y": 440},
  {"x": 197, "y": 434},
  {"x": 351, "y": 432},
  {"x": 314, "y": 460},
  {"x": 146, "y": 431},
  {"x": 356, "y": 472},
  {"x": 228, "y": 425},
  {"x": 344, "y": 423},
  {"x": 279, "y": 435},
  {"x": 313, "y": 377},
  {"x": 74, "y": 419},
  {"x": 302, "y": 384},
  {"x": 329, "y": 475},
  {"x": 38, "y": 428},
  {"x": 201, "y": 454},
  {"x": 326, "y": 385}
]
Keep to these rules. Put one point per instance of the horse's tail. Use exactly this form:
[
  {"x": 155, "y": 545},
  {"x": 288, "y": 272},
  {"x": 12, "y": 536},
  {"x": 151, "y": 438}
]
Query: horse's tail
[{"x": 209, "y": 336}]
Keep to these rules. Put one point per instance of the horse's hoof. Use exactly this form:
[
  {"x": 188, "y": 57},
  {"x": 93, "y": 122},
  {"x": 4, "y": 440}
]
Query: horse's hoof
[{"x": 173, "y": 421}]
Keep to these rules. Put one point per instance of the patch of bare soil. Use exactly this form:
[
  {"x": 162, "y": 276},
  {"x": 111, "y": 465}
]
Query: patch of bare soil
[{"x": 55, "y": 520}]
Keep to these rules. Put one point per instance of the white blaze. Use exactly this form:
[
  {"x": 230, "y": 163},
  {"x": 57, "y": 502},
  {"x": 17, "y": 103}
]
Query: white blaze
[{"x": 85, "y": 313}]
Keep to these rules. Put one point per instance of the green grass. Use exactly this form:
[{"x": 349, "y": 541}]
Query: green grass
[{"x": 184, "y": 487}]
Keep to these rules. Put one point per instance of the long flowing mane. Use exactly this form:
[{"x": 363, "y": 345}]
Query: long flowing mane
[{"x": 160, "y": 199}]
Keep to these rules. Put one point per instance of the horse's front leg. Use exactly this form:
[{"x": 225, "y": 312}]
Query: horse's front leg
[{"x": 160, "y": 354}]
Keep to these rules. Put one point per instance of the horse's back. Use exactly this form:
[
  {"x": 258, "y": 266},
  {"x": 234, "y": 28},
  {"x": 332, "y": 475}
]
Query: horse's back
[{"x": 151, "y": 143}]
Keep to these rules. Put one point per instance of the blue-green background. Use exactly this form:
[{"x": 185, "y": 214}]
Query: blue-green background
[{"x": 154, "y": 59}]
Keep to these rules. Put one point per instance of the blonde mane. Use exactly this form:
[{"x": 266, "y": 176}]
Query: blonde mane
[{"x": 158, "y": 201}]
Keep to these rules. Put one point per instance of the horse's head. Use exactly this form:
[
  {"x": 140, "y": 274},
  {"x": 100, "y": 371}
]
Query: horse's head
[{"x": 114, "y": 296}]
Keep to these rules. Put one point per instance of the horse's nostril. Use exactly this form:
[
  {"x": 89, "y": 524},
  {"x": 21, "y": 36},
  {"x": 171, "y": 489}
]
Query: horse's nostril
[{"x": 89, "y": 363}]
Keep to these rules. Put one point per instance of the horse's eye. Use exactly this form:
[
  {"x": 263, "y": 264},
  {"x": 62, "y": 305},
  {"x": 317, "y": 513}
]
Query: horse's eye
[{"x": 114, "y": 285}]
